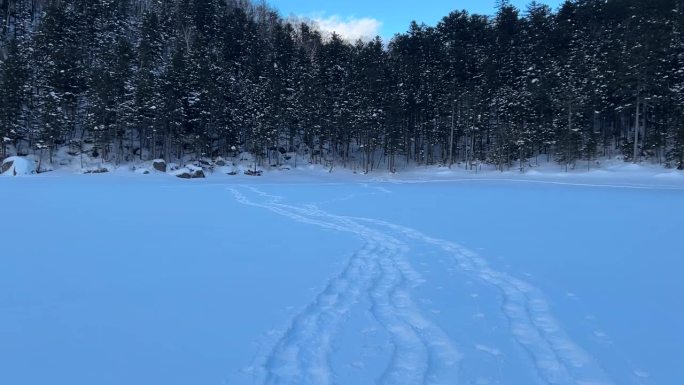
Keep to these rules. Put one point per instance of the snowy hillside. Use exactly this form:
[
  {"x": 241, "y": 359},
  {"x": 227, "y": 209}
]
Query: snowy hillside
[{"x": 292, "y": 279}]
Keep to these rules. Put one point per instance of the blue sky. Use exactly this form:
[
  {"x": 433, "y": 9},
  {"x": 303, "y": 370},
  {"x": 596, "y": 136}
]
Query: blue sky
[{"x": 384, "y": 17}]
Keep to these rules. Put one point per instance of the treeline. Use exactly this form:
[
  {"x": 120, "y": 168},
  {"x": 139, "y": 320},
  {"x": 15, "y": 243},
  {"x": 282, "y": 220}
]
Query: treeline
[{"x": 143, "y": 79}]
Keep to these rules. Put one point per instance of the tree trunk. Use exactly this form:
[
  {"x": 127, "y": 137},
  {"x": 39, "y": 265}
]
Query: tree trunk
[
  {"x": 567, "y": 141},
  {"x": 636, "y": 130},
  {"x": 451, "y": 137}
]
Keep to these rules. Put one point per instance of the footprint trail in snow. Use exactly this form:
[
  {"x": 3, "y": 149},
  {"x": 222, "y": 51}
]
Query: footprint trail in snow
[{"x": 380, "y": 273}]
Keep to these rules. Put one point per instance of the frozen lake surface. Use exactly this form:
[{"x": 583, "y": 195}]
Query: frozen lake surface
[{"x": 152, "y": 280}]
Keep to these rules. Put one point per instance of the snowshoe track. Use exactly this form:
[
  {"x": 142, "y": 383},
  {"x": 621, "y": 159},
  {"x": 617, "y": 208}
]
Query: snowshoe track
[
  {"x": 422, "y": 352},
  {"x": 558, "y": 360}
]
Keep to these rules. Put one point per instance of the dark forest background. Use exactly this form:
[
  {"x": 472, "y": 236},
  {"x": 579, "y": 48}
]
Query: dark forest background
[{"x": 130, "y": 80}]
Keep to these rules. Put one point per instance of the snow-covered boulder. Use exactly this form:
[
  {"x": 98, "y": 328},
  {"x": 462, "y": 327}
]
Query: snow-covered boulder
[
  {"x": 159, "y": 165},
  {"x": 18, "y": 165},
  {"x": 189, "y": 172},
  {"x": 96, "y": 170},
  {"x": 253, "y": 172}
]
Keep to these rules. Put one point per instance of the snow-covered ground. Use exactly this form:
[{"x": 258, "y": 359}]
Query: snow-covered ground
[{"x": 305, "y": 277}]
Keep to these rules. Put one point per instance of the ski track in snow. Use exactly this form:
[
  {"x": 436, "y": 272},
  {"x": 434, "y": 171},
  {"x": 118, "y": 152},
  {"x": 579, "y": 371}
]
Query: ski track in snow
[{"x": 423, "y": 353}]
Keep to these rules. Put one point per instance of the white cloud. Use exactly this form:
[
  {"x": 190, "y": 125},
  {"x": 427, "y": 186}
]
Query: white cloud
[{"x": 350, "y": 28}]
